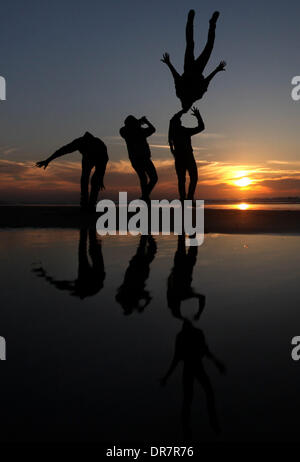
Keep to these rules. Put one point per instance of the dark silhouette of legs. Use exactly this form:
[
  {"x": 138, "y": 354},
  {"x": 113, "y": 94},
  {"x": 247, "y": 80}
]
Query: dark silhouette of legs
[
  {"x": 151, "y": 172},
  {"x": 145, "y": 170},
  {"x": 193, "y": 173},
  {"x": 97, "y": 183},
  {"x": 90, "y": 276},
  {"x": 188, "y": 393},
  {"x": 84, "y": 182},
  {"x": 189, "y": 58},
  {"x": 210, "y": 400},
  {"x": 180, "y": 168},
  {"x": 202, "y": 60},
  {"x": 86, "y": 200},
  {"x": 142, "y": 177}
]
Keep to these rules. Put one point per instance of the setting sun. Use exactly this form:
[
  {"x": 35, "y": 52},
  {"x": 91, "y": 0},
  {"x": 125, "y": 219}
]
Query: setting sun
[
  {"x": 243, "y": 206},
  {"x": 243, "y": 182}
]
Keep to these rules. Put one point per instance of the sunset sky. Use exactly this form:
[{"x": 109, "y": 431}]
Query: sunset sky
[{"x": 72, "y": 66}]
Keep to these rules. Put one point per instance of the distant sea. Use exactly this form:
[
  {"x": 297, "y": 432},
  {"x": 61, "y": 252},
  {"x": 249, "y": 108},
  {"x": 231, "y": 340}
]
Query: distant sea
[{"x": 292, "y": 204}]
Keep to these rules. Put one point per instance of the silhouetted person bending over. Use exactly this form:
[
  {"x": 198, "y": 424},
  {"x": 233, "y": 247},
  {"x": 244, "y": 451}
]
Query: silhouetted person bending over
[
  {"x": 94, "y": 154},
  {"x": 132, "y": 294},
  {"x": 91, "y": 275},
  {"x": 191, "y": 349},
  {"x": 191, "y": 85},
  {"x": 139, "y": 152},
  {"x": 181, "y": 147},
  {"x": 181, "y": 278}
]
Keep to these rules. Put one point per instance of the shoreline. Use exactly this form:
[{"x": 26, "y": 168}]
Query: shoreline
[{"x": 215, "y": 220}]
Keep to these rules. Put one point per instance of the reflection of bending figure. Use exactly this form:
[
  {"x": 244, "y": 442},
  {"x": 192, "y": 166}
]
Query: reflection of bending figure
[
  {"x": 191, "y": 348},
  {"x": 180, "y": 279},
  {"x": 90, "y": 275},
  {"x": 132, "y": 291}
]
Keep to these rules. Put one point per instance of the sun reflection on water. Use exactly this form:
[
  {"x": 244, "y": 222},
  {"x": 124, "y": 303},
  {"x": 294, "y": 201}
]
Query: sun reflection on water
[{"x": 243, "y": 206}]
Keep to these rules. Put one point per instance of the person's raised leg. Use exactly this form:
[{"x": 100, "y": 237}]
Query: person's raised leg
[
  {"x": 193, "y": 173},
  {"x": 189, "y": 58},
  {"x": 202, "y": 60}
]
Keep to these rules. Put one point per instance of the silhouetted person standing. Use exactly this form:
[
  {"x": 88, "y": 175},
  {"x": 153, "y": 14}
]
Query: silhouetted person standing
[
  {"x": 91, "y": 276},
  {"x": 181, "y": 147},
  {"x": 191, "y": 348},
  {"x": 94, "y": 154},
  {"x": 181, "y": 278},
  {"x": 132, "y": 294},
  {"x": 139, "y": 152},
  {"x": 191, "y": 85}
]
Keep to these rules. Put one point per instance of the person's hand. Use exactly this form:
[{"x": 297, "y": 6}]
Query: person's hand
[
  {"x": 195, "y": 112},
  {"x": 166, "y": 58},
  {"x": 143, "y": 120},
  {"x": 43, "y": 163},
  {"x": 221, "y": 66}
]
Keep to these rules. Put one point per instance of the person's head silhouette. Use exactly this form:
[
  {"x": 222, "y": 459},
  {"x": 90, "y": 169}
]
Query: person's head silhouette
[{"x": 131, "y": 122}]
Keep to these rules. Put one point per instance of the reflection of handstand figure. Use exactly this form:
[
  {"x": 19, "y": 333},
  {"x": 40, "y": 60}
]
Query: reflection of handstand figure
[
  {"x": 90, "y": 275},
  {"x": 191, "y": 85},
  {"x": 181, "y": 147},
  {"x": 94, "y": 154},
  {"x": 132, "y": 291},
  {"x": 180, "y": 279},
  {"x": 191, "y": 348}
]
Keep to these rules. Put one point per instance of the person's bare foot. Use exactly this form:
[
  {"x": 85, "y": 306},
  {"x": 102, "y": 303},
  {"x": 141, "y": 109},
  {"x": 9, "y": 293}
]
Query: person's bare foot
[
  {"x": 213, "y": 20},
  {"x": 191, "y": 15}
]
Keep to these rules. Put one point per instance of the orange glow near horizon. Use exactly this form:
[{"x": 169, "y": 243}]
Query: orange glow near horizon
[{"x": 243, "y": 182}]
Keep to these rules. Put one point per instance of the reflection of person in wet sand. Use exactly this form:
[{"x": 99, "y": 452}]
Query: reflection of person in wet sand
[
  {"x": 180, "y": 279},
  {"x": 132, "y": 294},
  {"x": 90, "y": 275},
  {"x": 191, "y": 85},
  {"x": 191, "y": 349},
  {"x": 94, "y": 154}
]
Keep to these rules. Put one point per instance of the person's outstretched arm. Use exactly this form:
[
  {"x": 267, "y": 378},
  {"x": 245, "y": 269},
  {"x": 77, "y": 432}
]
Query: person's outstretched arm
[
  {"x": 150, "y": 129},
  {"x": 166, "y": 60},
  {"x": 67, "y": 149},
  {"x": 200, "y": 127},
  {"x": 219, "y": 68}
]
